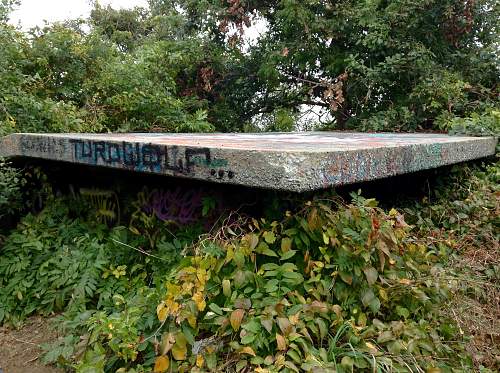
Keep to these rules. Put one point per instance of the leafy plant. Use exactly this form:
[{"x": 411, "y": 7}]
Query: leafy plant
[
  {"x": 329, "y": 286},
  {"x": 11, "y": 182}
]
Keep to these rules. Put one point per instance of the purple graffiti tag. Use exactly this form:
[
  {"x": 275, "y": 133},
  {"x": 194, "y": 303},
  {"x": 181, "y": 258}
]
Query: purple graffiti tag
[{"x": 178, "y": 205}]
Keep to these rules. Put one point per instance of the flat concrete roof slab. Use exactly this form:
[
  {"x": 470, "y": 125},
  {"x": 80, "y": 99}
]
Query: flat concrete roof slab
[{"x": 283, "y": 161}]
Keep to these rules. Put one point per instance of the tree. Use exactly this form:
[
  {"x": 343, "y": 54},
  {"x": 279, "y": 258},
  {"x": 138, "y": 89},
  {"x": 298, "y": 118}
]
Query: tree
[
  {"x": 373, "y": 64},
  {"x": 185, "y": 65},
  {"x": 6, "y": 7}
]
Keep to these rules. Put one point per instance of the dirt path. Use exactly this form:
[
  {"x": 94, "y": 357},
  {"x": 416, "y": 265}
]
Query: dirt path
[{"x": 19, "y": 348}]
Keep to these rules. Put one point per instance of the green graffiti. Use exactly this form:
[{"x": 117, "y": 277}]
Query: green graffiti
[{"x": 216, "y": 162}]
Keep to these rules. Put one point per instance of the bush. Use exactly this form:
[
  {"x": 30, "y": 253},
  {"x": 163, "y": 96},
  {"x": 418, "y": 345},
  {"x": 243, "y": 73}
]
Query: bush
[
  {"x": 11, "y": 182},
  {"x": 484, "y": 124},
  {"x": 330, "y": 286}
]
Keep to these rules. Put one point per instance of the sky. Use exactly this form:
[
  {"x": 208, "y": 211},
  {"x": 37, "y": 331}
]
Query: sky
[{"x": 34, "y": 12}]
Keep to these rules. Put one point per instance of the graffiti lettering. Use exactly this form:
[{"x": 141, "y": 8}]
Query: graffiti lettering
[
  {"x": 152, "y": 157},
  {"x": 45, "y": 145}
]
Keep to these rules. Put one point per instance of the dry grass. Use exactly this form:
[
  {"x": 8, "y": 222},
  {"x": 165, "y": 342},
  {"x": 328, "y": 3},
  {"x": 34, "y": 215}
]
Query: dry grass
[{"x": 476, "y": 305}]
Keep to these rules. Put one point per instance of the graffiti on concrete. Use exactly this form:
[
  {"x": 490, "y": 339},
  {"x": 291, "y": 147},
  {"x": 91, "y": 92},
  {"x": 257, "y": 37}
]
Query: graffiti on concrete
[
  {"x": 284, "y": 161},
  {"x": 177, "y": 205},
  {"x": 148, "y": 157},
  {"x": 44, "y": 145}
]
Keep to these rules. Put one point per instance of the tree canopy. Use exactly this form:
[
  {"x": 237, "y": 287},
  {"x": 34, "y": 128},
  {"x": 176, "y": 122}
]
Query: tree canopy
[{"x": 187, "y": 65}]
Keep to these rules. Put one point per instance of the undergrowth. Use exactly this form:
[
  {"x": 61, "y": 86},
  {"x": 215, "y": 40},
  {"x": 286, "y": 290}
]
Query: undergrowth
[
  {"x": 11, "y": 182},
  {"x": 327, "y": 287}
]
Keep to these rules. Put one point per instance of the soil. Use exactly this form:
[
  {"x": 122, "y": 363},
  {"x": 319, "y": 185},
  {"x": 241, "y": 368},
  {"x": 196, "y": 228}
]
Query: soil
[{"x": 20, "y": 348}]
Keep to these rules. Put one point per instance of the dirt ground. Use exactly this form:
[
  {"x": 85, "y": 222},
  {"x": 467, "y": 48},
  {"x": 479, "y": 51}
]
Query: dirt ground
[{"x": 19, "y": 348}]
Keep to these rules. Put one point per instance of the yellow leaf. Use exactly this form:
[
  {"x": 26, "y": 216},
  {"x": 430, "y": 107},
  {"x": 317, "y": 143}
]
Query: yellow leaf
[
  {"x": 338, "y": 310},
  {"x": 173, "y": 307},
  {"x": 235, "y": 318},
  {"x": 433, "y": 370},
  {"x": 199, "y": 301},
  {"x": 280, "y": 361},
  {"x": 373, "y": 349},
  {"x": 405, "y": 281},
  {"x": 161, "y": 311},
  {"x": 247, "y": 350},
  {"x": 179, "y": 352},
  {"x": 294, "y": 319},
  {"x": 280, "y": 340},
  {"x": 326, "y": 239},
  {"x": 161, "y": 364},
  {"x": 269, "y": 237},
  {"x": 261, "y": 370},
  {"x": 192, "y": 321},
  {"x": 199, "y": 361},
  {"x": 383, "y": 294},
  {"x": 202, "y": 276}
]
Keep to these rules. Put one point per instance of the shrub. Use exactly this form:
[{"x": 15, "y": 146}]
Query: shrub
[
  {"x": 331, "y": 286},
  {"x": 11, "y": 182}
]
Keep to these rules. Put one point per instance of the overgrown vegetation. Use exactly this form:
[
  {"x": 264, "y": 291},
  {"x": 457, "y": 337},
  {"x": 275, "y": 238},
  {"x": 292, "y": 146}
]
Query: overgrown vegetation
[
  {"x": 327, "y": 287},
  {"x": 11, "y": 182},
  {"x": 185, "y": 65}
]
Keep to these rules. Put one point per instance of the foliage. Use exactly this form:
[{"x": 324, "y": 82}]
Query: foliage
[
  {"x": 326, "y": 286},
  {"x": 359, "y": 61},
  {"x": 463, "y": 212},
  {"x": 6, "y": 7},
  {"x": 48, "y": 263},
  {"x": 324, "y": 289},
  {"x": 485, "y": 124},
  {"x": 11, "y": 181},
  {"x": 185, "y": 65},
  {"x": 62, "y": 79}
]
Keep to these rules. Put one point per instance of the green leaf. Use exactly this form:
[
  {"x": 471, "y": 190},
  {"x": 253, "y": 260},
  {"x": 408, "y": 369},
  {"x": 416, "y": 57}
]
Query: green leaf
[
  {"x": 269, "y": 266},
  {"x": 346, "y": 277},
  {"x": 295, "y": 356},
  {"x": 239, "y": 258},
  {"x": 214, "y": 307},
  {"x": 267, "y": 323},
  {"x": 264, "y": 249},
  {"x": 252, "y": 326},
  {"x": 287, "y": 255},
  {"x": 367, "y": 297},
  {"x": 375, "y": 305},
  {"x": 269, "y": 236},
  {"x": 323, "y": 329},
  {"x": 385, "y": 336},
  {"x": 347, "y": 362},
  {"x": 226, "y": 288},
  {"x": 211, "y": 360},
  {"x": 248, "y": 338},
  {"x": 403, "y": 312}
]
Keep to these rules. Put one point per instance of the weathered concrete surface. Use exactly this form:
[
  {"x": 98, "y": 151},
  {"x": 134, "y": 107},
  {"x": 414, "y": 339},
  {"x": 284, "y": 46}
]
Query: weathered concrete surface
[{"x": 284, "y": 161}]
